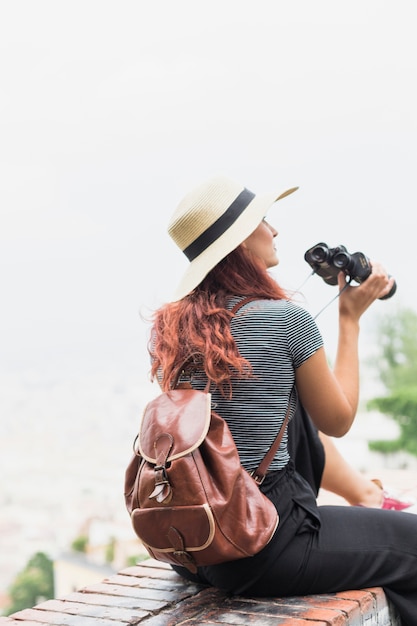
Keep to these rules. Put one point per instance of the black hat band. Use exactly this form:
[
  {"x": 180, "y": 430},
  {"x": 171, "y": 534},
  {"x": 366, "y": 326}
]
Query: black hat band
[{"x": 220, "y": 226}]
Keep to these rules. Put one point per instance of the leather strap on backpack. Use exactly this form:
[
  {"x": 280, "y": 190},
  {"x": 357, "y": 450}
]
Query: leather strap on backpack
[{"x": 259, "y": 474}]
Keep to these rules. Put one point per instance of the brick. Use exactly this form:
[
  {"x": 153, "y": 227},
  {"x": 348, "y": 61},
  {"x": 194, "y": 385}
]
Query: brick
[
  {"x": 94, "y": 610},
  {"x": 164, "y": 573},
  {"x": 58, "y": 619},
  {"x": 349, "y": 608},
  {"x": 9, "y": 621},
  {"x": 174, "y": 583},
  {"x": 113, "y": 601},
  {"x": 264, "y": 609},
  {"x": 387, "y": 613}
]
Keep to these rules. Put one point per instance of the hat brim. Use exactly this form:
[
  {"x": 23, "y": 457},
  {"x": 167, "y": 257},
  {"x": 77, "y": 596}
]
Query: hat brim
[{"x": 245, "y": 224}]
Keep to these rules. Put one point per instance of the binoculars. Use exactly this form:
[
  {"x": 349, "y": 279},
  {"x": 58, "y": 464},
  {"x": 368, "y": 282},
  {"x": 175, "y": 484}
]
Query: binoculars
[{"x": 328, "y": 262}]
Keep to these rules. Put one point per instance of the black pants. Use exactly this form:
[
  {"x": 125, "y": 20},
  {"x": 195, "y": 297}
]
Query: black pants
[
  {"x": 324, "y": 549},
  {"x": 354, "y": 548}
]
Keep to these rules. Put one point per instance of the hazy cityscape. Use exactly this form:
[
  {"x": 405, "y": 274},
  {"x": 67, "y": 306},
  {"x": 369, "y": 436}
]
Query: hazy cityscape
[{"x": 64, "y": 448}]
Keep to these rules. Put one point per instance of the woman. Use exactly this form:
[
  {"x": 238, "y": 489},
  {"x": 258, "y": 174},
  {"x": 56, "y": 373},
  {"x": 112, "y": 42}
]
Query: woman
[{"x": 255, "y": 361}]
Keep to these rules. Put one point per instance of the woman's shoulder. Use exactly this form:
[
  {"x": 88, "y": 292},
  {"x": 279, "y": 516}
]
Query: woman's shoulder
[
  {"x": 263, "y": 305},
  {"x": 276, "y": 314}
]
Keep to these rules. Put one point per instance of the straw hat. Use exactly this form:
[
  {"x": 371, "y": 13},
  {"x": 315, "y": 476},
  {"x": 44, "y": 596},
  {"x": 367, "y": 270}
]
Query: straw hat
[{"x": 212, "y": 220}]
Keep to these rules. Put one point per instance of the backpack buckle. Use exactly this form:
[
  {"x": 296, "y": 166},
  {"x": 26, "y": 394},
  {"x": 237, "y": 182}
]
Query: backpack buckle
[{"x": 258, "y": 479}]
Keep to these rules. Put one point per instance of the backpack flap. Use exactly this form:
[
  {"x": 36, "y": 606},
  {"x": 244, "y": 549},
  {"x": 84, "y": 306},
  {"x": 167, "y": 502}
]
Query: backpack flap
[{"x": 174, "y": 424}]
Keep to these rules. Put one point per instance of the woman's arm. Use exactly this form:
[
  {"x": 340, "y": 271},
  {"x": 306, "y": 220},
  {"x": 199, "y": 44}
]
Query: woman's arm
[{"x": 331, "y": 397}]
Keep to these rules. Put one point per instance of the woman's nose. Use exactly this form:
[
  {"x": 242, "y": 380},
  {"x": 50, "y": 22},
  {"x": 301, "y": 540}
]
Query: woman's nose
[{"x": 273, "y": 230}]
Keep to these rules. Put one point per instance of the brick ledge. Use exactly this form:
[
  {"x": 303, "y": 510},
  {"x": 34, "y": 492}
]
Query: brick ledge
[{"x": 151, "y": 594}]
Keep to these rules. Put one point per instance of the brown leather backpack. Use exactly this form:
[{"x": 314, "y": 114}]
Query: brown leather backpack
[{"x": 190, "y": 500}]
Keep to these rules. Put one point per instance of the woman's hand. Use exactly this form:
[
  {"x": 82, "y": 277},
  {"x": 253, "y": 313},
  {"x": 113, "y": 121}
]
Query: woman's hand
[{"x": 355, "y": 300}]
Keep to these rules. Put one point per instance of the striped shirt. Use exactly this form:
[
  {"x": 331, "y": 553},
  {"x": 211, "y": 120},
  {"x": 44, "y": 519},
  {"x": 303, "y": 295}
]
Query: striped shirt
[{"x": 276, "y": 337}]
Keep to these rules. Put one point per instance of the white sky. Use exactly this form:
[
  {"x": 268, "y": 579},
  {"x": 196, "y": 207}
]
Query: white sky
[{"x": 112, "y": 110}]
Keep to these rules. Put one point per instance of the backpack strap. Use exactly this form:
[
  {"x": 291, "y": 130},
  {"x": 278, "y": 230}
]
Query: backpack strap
[
  {"x": 259, "y": 474},
  {"x": 242, "y": 302}
]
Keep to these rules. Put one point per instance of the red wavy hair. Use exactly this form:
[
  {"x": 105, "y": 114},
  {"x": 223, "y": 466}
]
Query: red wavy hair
[{"x": 197, "y": 328}]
